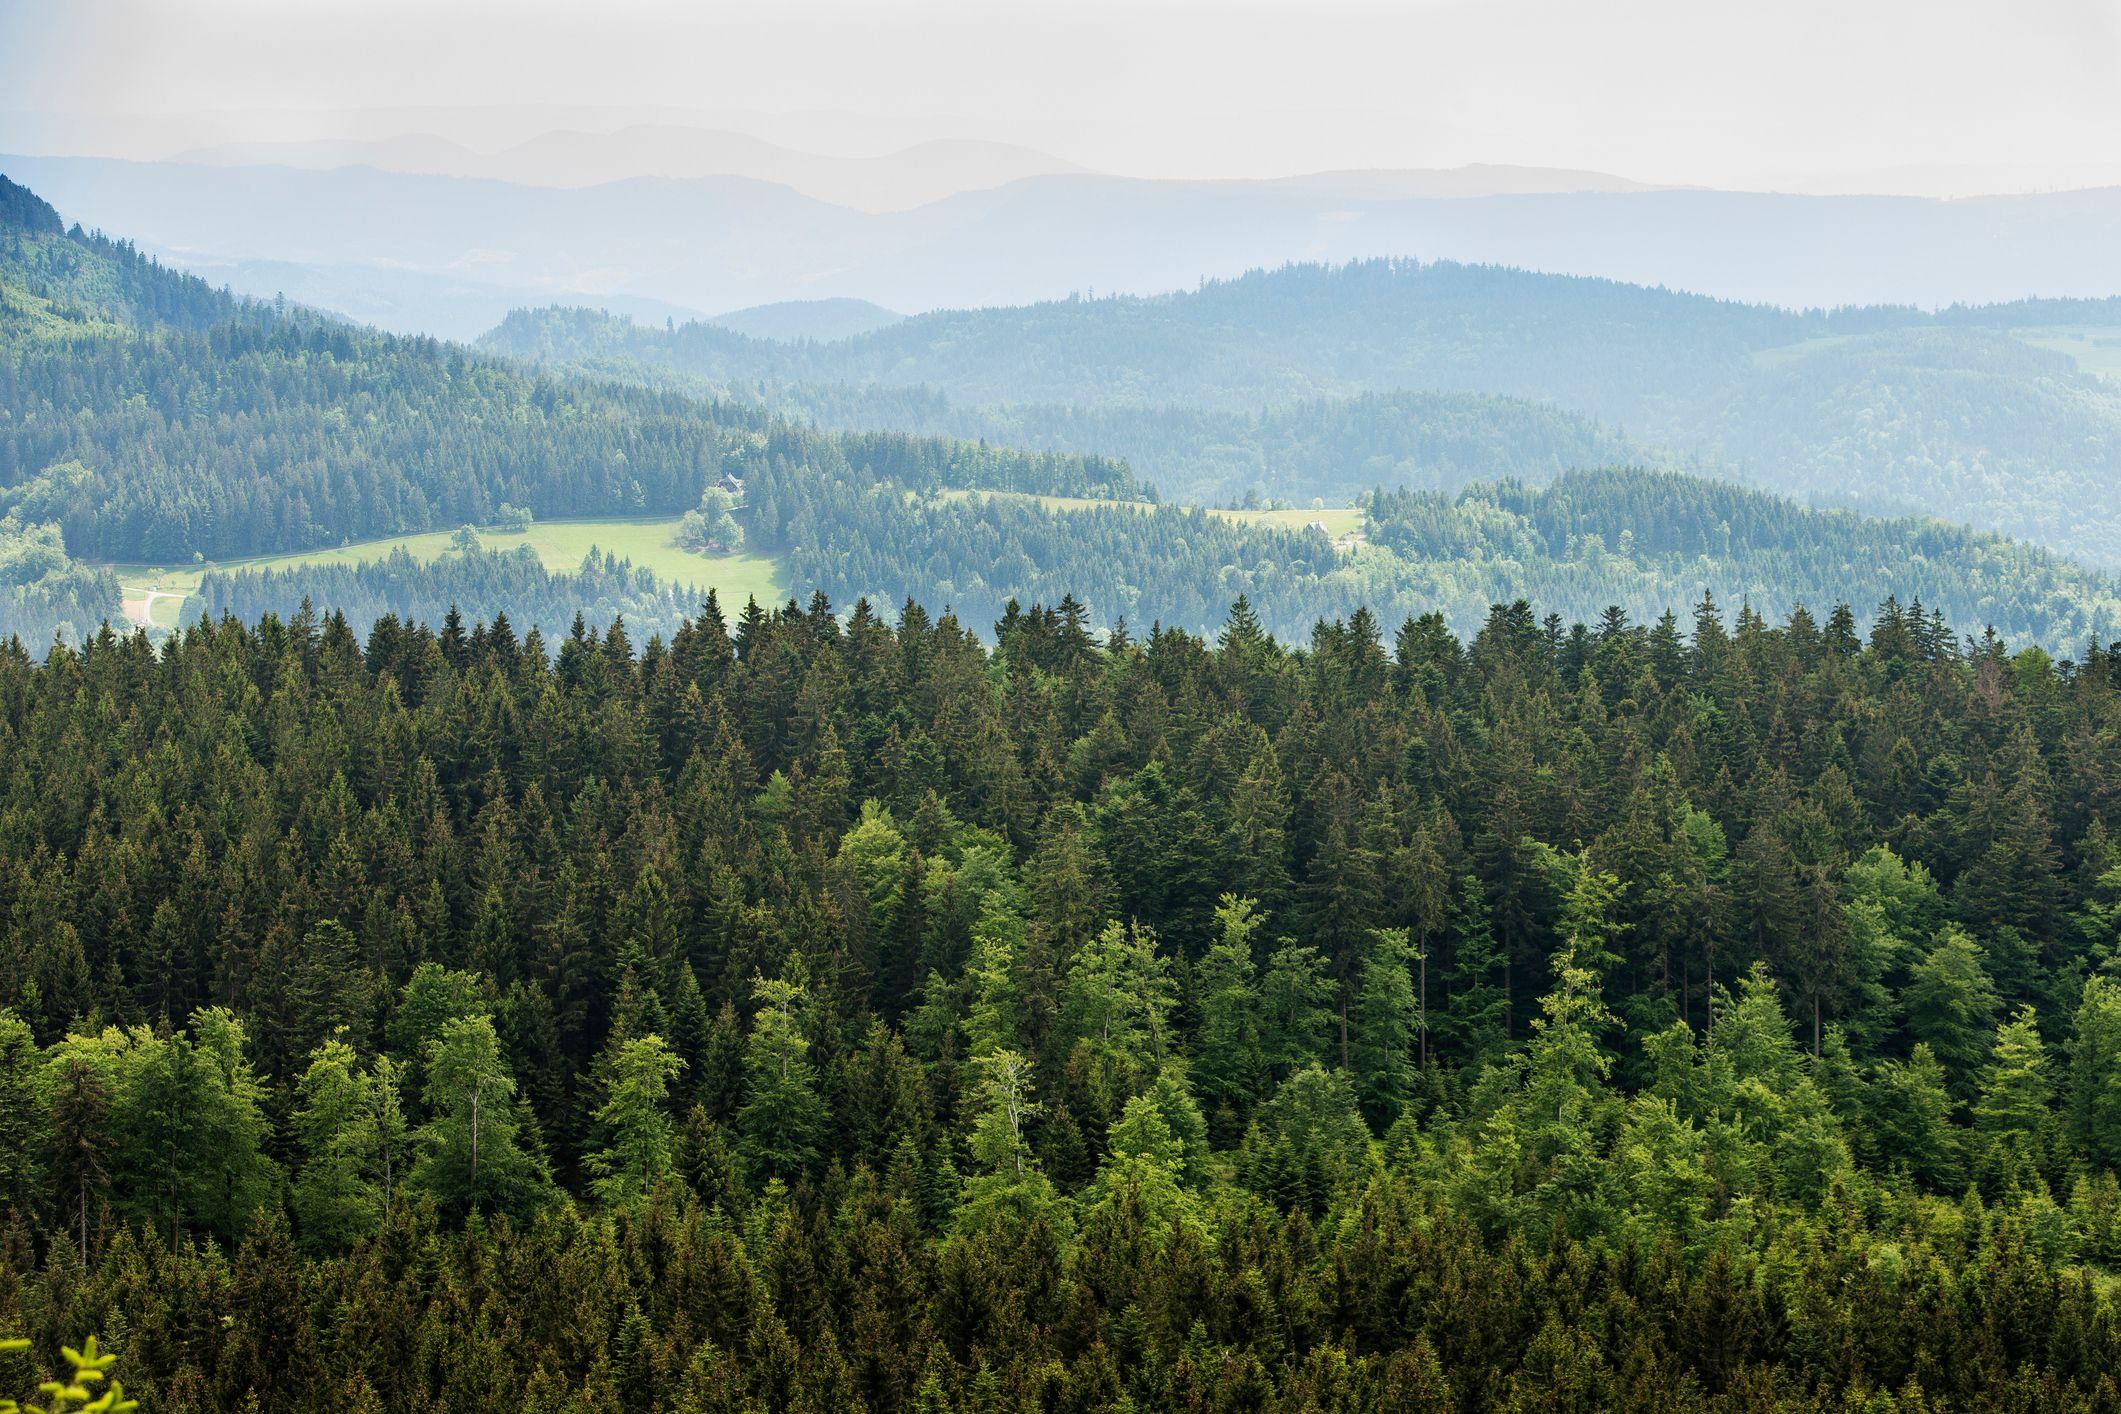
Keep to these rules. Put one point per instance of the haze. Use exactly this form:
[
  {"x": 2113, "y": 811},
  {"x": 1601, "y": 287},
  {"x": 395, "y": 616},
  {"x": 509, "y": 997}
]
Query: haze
[{"x": 1929, "y": 98}]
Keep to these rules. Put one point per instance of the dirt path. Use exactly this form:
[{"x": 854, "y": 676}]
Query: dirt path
[{"x": 139, "y": 604}]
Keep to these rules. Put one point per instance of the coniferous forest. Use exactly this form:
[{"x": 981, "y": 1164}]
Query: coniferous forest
[
  {"x": 805, "y": 1014},
  {"x": 1377, "y": 833}
]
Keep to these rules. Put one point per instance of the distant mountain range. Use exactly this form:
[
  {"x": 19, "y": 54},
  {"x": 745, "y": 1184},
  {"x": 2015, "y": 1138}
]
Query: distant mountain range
[
  {"x": 727, "y": 242},
  {"x": 895, "y": 181}
]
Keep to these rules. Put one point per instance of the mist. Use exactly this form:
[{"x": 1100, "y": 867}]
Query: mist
[{"x": 1926, "y": 98}]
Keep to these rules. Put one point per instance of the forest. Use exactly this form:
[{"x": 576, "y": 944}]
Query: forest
[
  {"x": 1644, "y": 540},
  {"x": 1884, "y": 409},
  {"x": 820, "y": 1013},
  {"x": 146, "y": 418},
  {"x": 504, "y": 587},
  {"x": 154, "y": 419}
]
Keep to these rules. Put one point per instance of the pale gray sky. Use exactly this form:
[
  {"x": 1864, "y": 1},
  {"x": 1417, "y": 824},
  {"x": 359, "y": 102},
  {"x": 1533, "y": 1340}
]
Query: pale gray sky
[{"x": 1819, "y": 94}]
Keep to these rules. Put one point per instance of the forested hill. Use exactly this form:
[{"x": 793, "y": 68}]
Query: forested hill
[
  {"x": 1330, "y": 449},
  {"x": 1270, "y": 337},
  {"x": 1644, "y": 541},
  {"x": 146, "y": 418},
  {"x": 820, "y": 1016},
  {"x": 1953, "y": 413},
  {"x": 153, "y": 419}
]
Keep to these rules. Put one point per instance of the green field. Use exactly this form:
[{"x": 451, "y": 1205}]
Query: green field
[
  {"x": 1340, "y": 521},
  {"x": 2095, "y": 347},
  {"x": 156, "y": 594}
]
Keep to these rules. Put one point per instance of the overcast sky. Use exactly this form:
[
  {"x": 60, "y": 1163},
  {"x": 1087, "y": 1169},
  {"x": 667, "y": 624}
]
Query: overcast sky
[{"x": 1826, "y": 94}]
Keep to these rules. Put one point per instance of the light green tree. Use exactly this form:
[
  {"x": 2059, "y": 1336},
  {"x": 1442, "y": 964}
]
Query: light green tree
[
  {"x": 1227, "y": 1061},
  {"x": 1911, "y": 1110},
  {"x": 782, "y": 1120},
  {"x": 1144, "y": 1163},
  {"x": 22, "y": 1118},
  {"x": 636, "y": 1155},
  {"x": 472, "y": 1157},
  {"x": 1118, "y": 995},
  {"x": 1007, "y": 1185},
  {"x": 1951, "y": 1007},
  {"x": 335, "y": 1197},
  {"x": 1384, "y": 1026},
  {"x": 2095, "y": 1073}
]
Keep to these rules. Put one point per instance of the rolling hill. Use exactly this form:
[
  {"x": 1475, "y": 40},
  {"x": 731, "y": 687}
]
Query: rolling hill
[
  {"x": 149, "y": 418},
  {"x": 1975, "y": 413}
]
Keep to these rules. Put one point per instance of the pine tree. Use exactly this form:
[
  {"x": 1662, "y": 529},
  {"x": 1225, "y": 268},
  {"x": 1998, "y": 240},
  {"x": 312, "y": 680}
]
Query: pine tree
[
  {"x": 1385, "y": 1028},
  {"x": 79, "y": 1086},
  {"x": 2095, "y": 1072},
  {"x": 2014, "y": 1110},
  {"x": 1478, "y": 1011},
  {"x": 1307, "y": 1143},
  {"x": 1227, "y": 1056},
  {"x": 1910, "y": 1117},
  {"x": 1951, "y": 1007},
  {"x": 1296, "y": 1014}
]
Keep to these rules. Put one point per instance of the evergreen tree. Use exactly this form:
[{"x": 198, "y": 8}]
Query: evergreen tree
[
  {"x": 1228, "y": 1053},
  {"x": 1910, "y": 1116},
  {"x": 2095, "y": 1072},
  {"x": 1951, "y": 1007},
  {"x": 1385, "y": 1027}
]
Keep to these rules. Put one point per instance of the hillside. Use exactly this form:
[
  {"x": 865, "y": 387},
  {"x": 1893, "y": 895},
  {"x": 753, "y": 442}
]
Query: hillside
[
  {"x": 1644, "y": 542},
  {"x": 821, "y": 319},
  {"x": 155, "y": 421},
  {"x": 1330, "y": 450},
  {"x": 1955, "y": 413}
]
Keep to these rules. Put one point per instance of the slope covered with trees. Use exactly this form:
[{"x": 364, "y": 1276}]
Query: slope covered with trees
[
  {"x": 839, "y": 1016},
  {"x": 1645, "y": 541},
  {"x": 1330, "y": 450},
  {"x": 154, "y": 419},
  {"x": 1881, "y": 408}
]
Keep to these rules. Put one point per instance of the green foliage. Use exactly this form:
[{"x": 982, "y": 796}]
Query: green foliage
[
  {"x": 783, "y": 1120},
  {"x": 2095, "y": 1072},
  {"x": 87, "y": 1368},
  {"x": 1951, "y": 1006},
  {"x": 822, "y": 1006},
  {"x": 473, "y": 1155},
  {"x": 1384, "y": 1025},
  {"x": 638, "y": 1155}
]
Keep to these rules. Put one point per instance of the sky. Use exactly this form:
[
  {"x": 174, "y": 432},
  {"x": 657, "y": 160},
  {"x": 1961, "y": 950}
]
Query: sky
[{"x": 1944, "y": 95}]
